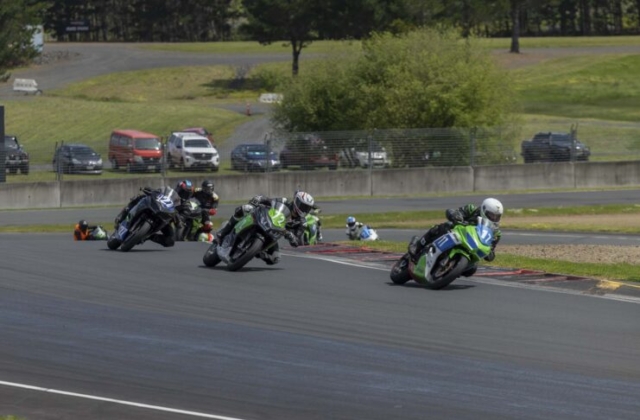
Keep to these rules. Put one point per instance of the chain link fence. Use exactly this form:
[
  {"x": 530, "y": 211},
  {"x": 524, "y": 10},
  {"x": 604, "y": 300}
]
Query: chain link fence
[{"x": 347, "y": 150}]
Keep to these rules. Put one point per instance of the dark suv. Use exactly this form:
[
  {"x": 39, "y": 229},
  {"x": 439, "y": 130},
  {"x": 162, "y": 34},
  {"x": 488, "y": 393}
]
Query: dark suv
[
  {"x": 309, "y": 152},
  {"x": 16, "y": 156}
]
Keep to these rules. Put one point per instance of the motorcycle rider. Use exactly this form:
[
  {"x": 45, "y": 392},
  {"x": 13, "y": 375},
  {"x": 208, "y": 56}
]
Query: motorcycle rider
[
  {"x": 83, "y": 232},
  {"x": 491, "y": 209},
  {"x": 299, "y": 207},
  {"x": 166, "y": 237},
  {"x": 208, "y": 200},
  {"x": 353, "y": 228},
  {"x": 183, "y": 223}
]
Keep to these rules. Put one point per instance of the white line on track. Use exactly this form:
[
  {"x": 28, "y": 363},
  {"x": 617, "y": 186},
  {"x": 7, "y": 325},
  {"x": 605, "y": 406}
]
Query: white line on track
[
  {"x": 121, "y": 402},
  {"x": 477, "y": 279}
]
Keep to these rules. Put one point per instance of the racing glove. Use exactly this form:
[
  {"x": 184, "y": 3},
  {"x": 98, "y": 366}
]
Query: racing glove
[
  {"x": 256, "y": 200},
  {"x": 212, "y": 212},
  {"x": 491, "y": 256},
  {"x": 454, "y": 216},
  {"x": 292, "y": 239}
]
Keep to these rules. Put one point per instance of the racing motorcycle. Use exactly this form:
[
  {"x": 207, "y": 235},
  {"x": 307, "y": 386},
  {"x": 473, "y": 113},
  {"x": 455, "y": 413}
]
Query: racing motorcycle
[
  {"x": 190, "y": 220},
  {"x": 367, "y": 233},
  {"x": 148, "y": 216},
  {"x": 306, "y": 232},
  {"x": 255, "y": 233},
  {"x": 446, "y": 258}
]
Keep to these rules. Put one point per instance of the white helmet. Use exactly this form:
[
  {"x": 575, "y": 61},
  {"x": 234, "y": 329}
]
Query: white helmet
[
  {"x": 303, "y": 203},
  {"x": 492, "y": 210}
]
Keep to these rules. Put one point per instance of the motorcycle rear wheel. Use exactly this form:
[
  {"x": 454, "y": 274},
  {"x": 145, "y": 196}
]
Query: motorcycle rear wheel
[
  {"x": 210, "y": 258},
  {"x": 253, "y": 249},
  {"x": 460, "y": 263},
  {"x": 400, "y": 271},
  {"x": 136, "y": 237}
]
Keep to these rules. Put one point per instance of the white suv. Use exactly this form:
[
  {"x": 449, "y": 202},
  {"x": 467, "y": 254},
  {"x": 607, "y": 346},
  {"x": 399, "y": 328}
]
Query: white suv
[{"x": 190, "y": 151}]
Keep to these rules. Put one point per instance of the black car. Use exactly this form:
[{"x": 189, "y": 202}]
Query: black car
[
  {"x": 253, "y": 157},
  {"x": 78, "y": 159},
  {"x": 16, "y": 157}
]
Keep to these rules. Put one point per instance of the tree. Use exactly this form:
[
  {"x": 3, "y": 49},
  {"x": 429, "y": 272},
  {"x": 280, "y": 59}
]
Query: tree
[
  {"x": 18, "y": 19},
  {"x": 295, "y": 21}
]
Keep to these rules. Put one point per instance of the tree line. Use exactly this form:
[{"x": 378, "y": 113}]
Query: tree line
[{"x": 221, "y": 20}]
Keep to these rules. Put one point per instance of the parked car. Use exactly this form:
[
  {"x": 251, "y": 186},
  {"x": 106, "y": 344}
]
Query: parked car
[
  {"x": 191, "y": 151},
  {"x": 77, "y": 159},
  {"x": 16, "y": 157},
  {"x": 253, "y": 157},
  {"x": 201, "y": 131},
  {"x": 357, "y": 155},
  {"x": 135, "y": 150},
  {"x": 308, "y": 152},
  {"x": 554, "y": 147}
]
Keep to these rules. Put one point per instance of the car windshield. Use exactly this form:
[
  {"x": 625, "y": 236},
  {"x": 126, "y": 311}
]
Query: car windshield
[
  {"x": 148, "y": 144},
  {"x": 199, "y": 143},
  {"x": 560, "y": 138},
  {"x": 256, "y": 151},
  {"x": 10, "y": 142},
  {"x": 82, "y": 151}
]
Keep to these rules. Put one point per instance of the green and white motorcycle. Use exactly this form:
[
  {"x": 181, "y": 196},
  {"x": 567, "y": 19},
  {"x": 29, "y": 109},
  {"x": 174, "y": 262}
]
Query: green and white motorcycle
[
  {"x": 446, "y": 258},
  {"x": 256, "y": 232},
  {"x": 306, "y": 233}
]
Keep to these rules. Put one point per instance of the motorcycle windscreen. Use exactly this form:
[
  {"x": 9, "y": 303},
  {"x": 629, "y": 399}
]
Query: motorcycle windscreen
[
  {"x": 278, "y": 213},
  {"x": 478, "y": 240}
]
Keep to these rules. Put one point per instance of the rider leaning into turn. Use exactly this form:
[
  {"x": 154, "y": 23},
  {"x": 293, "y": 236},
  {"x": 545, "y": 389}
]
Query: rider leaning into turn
[
  {"x": 299, "y": 207},
  {"x": 166, "y": 237},
  {"x": 353, "y": 228},
  {"x": 490, "y": 209}
]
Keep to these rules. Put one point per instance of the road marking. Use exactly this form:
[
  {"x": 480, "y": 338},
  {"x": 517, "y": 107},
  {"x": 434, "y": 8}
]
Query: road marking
[
  {"x": 121, "y": 402},
  {"x": 490, "y": 281}
]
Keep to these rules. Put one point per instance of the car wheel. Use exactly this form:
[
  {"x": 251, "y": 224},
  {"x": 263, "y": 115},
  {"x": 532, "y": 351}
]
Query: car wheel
[
  {"x": 182, "y": 167},
  {"x": 114, "y": 163},
  {"x": 170, "y": 162},
  {"x": 129, "y": 167},
  {"x": 25, "y": 170}
]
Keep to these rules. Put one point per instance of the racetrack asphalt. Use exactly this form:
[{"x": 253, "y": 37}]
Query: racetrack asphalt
[{"x": 315, "y": 337}]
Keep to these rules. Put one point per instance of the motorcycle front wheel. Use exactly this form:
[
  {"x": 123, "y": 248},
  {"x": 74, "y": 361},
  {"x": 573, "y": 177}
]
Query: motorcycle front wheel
[
  {"x": 210, "y": 258},
  {"x": 249, "y": 253},
  {"x": 443, "y": 275},
  {"x": 136, "y": 236},
  {"x": 400, "y": 271}
]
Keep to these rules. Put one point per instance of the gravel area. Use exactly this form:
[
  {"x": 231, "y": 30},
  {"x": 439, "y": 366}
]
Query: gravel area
[{"x": 604, "y": 254}]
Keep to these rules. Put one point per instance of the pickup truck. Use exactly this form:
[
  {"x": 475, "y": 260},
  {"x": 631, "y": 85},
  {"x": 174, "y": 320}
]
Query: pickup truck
[
  {"x": 16, "y": 157},
  {"x": 554, "y": 147}
]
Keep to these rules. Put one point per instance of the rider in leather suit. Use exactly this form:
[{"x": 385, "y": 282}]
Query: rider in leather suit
[
  {"x": 272, "y": 256},
  {"x": 491, "y": 209},
  {"x": 166, "y": 236}
]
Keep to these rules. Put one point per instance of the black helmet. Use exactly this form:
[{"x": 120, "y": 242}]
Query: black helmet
[
  {"x": 184, "y": 189},
  {"x": 83, "y": 224},
  {"x": 207, "y": 186}
]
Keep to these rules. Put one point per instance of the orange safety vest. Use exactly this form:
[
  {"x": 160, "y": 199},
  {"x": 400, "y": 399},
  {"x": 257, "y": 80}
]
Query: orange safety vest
[{"x": 79, "y": 235}]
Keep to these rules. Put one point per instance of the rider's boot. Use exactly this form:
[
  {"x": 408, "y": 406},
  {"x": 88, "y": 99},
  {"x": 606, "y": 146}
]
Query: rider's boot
[{"x": 226, "y": 229}]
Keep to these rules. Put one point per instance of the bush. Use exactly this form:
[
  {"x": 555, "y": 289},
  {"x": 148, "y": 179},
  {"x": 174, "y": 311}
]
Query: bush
[{"x": 421, "y": 79}]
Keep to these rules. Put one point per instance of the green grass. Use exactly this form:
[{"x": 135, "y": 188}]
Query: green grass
[{"x": 624, "y": 272}]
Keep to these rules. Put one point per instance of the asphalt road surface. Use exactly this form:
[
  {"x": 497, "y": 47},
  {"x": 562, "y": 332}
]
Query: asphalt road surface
[{"x": 152, "y": 334}]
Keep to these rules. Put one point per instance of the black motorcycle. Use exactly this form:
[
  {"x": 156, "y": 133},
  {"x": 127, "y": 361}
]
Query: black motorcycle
[{"x": 148, "y": 216}]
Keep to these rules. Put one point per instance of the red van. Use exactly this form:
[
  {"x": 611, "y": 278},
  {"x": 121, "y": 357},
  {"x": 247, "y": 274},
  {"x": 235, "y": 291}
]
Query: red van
[{"x": 135, "y": 150}]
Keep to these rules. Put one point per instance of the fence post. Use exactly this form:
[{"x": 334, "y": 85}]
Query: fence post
[
  {"x": 3, "y": 152},
  {"x": 267, "y": 142},
  {"x": 472, "y": 147}
]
